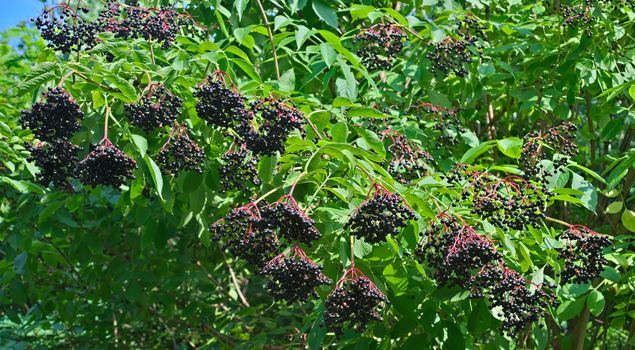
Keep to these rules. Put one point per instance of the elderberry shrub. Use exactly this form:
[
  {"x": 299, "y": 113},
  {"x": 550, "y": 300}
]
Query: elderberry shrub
[
  {"x": 456, "y": 252},
  {"x": 106, "y": 165},
  {"x": 56, "y": 118},
  {"x": 446, "y": 122},
  {"x": 220, "y": 106},
  {"x": 381, "y": 215},
  {"x": 290, "y": 221},
  {"x": 352, "y": 305},
  {"x": 408, "y": 162},
  {"x": 293, "y": 278},
  {"x": 578, "y": 18},
  {"x": 181, "y": 153},
  {"x": 56, "y": 159},
  {"x": 246, "y": 237},
  {"x": 379, "y": 45},
  {"x": 66, "y": 31},
  {"x": 276, "y": 121},
  {"x": 560, "y": 139},
  {"x": 583, "y": 254},
  {"x": 238, "y": 170},
  {"x": 450, "y": 56},
  {"x": 155, "y": 110}
]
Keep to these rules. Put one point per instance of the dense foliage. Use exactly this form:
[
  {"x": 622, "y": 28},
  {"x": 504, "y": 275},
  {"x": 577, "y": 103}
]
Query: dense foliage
[{"x": 308, "y": 174}]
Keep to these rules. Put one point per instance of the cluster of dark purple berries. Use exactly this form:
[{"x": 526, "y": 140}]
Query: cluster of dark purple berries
[
  {"x": 450, "y": 56},
  {"x": 471, "y": 29},
  {"x": 276, "y": 121},
  {"x": 239, "y": 170},
  {"x": 578, "y": 18},
  {"x": 408, "y": 162},
  {"x": 383, "y": 213},
  {"x": 53, "y": 121},
  {"x": 65, "y": 30},
  {"x": 379, "y": 45},
  {"x": 294, "y": 277},
  {"x": 219, "y": 105},
  {"x": 446, "y": 122},
  {"x": 180, "y": 153},
  {"x": 106, "y": 165},
  {"x": 353, "y": 304},
  {"x": 583, "y": 254},
  {"x": 560, "y": 139},
  {"x": 157, "y": 108},
  {"x": 456, "y": 252},
  {"x": 290, "y": 222}
]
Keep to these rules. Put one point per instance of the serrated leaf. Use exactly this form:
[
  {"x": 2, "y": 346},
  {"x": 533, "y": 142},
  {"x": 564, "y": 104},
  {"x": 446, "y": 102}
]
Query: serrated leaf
[
  {"x": 240, "y": 6},
  {"x": 302, "y": 33},
  {"x": 325, "y": 13},
  {"x": 156, "y": 175},
  {"x": 474, "y": 152},
  {"x": 511, "y": 147}
]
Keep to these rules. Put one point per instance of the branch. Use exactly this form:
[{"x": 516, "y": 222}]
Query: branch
[
  {"x": 273, "y": 44},
  {"x": 235, "y": 280}
]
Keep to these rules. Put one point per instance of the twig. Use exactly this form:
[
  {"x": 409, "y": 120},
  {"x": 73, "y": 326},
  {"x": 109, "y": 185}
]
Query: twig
[
  {"x": 235, "y": 280},
  {"x": 76, "y": 275},
  {"x": 273, "y": 44},
  {"x": 557, "y": 221}
]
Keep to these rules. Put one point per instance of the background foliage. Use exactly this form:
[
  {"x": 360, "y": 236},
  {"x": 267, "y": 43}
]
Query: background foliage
[{"x": 136, "y": 267}]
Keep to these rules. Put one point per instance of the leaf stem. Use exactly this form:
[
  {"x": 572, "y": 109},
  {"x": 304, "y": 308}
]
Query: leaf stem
[
  {"x": 548, "y": 218},
  {"x": 270, "y": 32}
]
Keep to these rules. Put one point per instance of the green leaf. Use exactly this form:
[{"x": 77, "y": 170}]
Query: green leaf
[
  {"x": 126, "y": 88},
  {"x": 240, "y": 6},
  {"x": 474, "y": 152},
  {"x": 328, "y": 54},
  {"x": 628, "y": 220},
  {"x": 371, "y": 140},
  {"x": 365, "y": 112},
  {"x": 570, "y": 309},
  {"x": 339, "y": 132},
  {"x": 511, "y": 147},
  {"x": 141, "y": 143},
  {"x": 595, "y": 302},
  {"x": 38, "y": 76},
  {"x": 614, "y": 207},
  {"x": 19, "y": 261},
  {"x": 156, "y": 175},
  {"x": 301, "y": 35},
  {"x": 588, "y": 171},
  {"x": 325, "y": 13}
]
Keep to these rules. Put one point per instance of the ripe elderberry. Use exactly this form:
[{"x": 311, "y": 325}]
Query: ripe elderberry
[
  {"x": 238, "y": 170},
  {"x": 408, "y": 162},
  {"x": 105, "y": 165},
  {"x": 56, "y": 160},
  {"x": 383, "y": 214},
  {"x": 247, "y": 237},
  {"x": 379, "y": 45},
  {"x": 180, "y": 153},
  {"x": 578, "y": 18},
  {"x": 276, "y": 121},
  {"x": 157, "y": 108},
  {"x": 471, "y": 29},
  {"x": 56, "y": 118},
  {"x": 560, "y": 139},
  {"x": 583, "y": 254},
  {"x": 290, "y": 222},
  {"x": 353, "y": 304},
  {"x": 450, "y": 56},
  {"x": 446, "y": 122},
  {"x": 294, "y": 277},
  {"x": 65, "y": 30},
  {"x": 219, "y": 105}
]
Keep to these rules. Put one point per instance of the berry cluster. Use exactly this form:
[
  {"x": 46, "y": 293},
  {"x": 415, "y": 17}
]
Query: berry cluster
[
  {"x": 247, "y": 238},
  {"x": 105, "y": 165},
  {"x": 383, "y": 214},
  {"x": 276, "y": 121},
  {"x": 455, "y": 251},
  {"x": 180, "y": 153},
  {"x": 290, "y": 221},
  {"x": 408, "y": 162},
  {"x": 294, "y": 277},
  {"x": 577, "y": 18},
  {"x": 446, "y": 122},
  {"x": 353, "y": 303},
  {"x": 56, "y": 160},
  {"x": 471, "y": 29},
  {"x": 219, "y": 105},
  {"x": 583, "y": 255},
  {"x": 65, "y": 30},
  {"x": 238, "y": 170},
  {"x": 379, "y": 45},
  {"x": 157, "y": 108},
  {"x": 56, "y": 118},
  {"x": 450, "y": 55},
  {"x": 560, "y": 139}
]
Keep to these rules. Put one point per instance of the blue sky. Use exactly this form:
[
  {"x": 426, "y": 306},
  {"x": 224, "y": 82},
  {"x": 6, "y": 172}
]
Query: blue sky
[{"x": 14, "y": 11}]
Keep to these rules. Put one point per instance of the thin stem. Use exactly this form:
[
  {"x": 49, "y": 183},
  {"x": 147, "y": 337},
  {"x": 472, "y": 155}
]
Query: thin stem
[
  {"x": 101, "y": 86},
  {"x": 274, "y": 190},
  {"x": 548, "y": 218},
  {"x": 313, "y": 127},
  {"x": 295, "y": 183},
  {"x": 151, "y": 52},
  {"x": 64, "y": 78},
  {"x": 273, "y": 44},
  {"x": 235, "y": 281},
  {"x": 106, "y": 118},
  {"x": 352, "y": 251}
]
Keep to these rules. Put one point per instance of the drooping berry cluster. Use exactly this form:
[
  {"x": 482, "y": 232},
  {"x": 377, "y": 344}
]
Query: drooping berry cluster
[
  {"x": 219, "y": 105},
  {"x": 379, "y": 45},
  {"x": 583, "y": 254},
  {"x": 276, "y": 119},
  {"x": 238, "y": 170},
  {"x": 450, "y": 56},
  {"x": 353, "y": 304},
  {"x": 446, "y": 122},
  {"x": 408, "y": 162},
  {"x": 559, "y": 139},
  {"x": 290, "y": 221},
  {"x": 157, "y": 108},
  {"x": 65, "y": 30},
  {"x": 246, "y": 236},
  {"x": 180, "y": 153},
  {"x": 56, "y": 118},
  {"x": 508, "y": 203},
  {"x": 456, "y": 252},
  {"x": 56, "y": 159},
  {"x": 106, "y": 165},
  {"x": 578, "y": 18},
  {"x": 293, "y": 277},
  {"x": 382, "y": 214}
]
